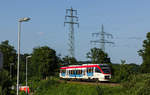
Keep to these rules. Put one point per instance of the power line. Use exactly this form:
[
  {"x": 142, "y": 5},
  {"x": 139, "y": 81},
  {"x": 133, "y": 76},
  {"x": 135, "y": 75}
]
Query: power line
[
  {"x": 71, "y": 19},
  {"x": 102, "y": 40}
]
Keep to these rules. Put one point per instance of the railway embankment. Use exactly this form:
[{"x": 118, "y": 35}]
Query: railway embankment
[{"x": 109, "y": 84}]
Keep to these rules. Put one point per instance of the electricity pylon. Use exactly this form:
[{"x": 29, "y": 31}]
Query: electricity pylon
[
  {"x": 102, "y": 40},
  {"x": 71, "y": 19}
]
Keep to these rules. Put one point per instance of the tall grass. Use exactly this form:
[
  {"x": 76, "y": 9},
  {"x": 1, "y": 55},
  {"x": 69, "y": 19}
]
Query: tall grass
[{"x": 54, "y": 87}]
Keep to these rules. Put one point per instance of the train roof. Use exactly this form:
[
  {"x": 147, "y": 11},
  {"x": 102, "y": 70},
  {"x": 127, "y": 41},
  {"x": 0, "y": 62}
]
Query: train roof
[{"x": 85, "y": 65}]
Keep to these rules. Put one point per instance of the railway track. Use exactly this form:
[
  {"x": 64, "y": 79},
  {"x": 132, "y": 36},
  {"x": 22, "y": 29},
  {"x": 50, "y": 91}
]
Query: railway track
[{"x": 92, "y": 83}]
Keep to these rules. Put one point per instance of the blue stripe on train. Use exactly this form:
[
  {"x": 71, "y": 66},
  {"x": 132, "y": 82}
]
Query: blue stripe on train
[
  {"x": 75, "y": 75},
  {"x": 90, "y": 74},
  {"x": 72, "y": 75},
  {"x": 79, "y": 75}
]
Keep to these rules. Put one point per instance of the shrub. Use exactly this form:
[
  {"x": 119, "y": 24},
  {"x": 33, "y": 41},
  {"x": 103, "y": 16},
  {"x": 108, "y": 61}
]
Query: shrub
[{"x": 145, "y": 90}]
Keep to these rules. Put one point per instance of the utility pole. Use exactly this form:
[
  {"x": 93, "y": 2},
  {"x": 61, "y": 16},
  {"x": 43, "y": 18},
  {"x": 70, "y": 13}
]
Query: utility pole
[
  {"x": 102, "y": 40},
  {"x": 71, "y": 19}
]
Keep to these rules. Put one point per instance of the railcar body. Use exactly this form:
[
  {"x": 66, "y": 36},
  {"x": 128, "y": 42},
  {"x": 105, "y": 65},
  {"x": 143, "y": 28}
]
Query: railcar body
[{"x": 100, "y": 72}]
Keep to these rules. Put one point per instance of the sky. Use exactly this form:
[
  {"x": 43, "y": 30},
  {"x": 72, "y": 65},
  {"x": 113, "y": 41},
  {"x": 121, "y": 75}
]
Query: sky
[{"x": 127, "y": 20}]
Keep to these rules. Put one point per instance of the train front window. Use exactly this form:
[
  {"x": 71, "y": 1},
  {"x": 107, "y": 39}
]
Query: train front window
[
  {"x": 63, "y": 71},
  {"x": 105, "y": 68},
  {"x": 107, "y": 71},
  {"x": 97, "y": 70}
]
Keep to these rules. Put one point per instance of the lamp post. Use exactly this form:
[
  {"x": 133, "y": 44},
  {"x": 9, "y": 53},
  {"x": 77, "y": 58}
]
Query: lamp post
[
  {"x": 27, "y": 70},
  {"x": 25, "y": 19},
  {"x": 11, "y": 70}
]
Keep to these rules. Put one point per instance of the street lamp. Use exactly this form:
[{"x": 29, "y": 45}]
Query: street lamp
[
  {"x": 25, "y": 19},
  {"x": 11, "y": 70},
  {"x": 27, "y": 70}
]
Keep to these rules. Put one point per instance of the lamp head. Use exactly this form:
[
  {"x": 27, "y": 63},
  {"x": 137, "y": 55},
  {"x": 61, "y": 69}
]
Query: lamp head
[
  {"x": 28, "y": 56},
  {"x": 24, "y": 19}
]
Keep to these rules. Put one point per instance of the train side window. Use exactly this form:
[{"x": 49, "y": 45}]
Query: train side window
[
  {"x": 80, "y": 71},
  {"x": 84, "y": 72},
  {"x": 89, "y": 70},
  {"x": 97, "y": 70},
  {"x": 92, "y": 69},
  {"x": 69, "y": 71}
]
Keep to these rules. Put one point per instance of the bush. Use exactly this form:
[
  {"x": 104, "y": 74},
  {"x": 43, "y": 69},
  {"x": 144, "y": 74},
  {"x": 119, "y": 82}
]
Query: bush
[
  {"x": 145, "y": 90},
  {"x": 22, "y": 93},
  {"x": 99, "y": 90}
]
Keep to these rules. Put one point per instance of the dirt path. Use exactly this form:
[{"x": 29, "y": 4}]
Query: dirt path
[{"x": 93, "y": 83}]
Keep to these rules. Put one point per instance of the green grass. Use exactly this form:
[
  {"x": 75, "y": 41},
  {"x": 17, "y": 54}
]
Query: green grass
[
  {"x": 52, "y": 86},
  {"x": 77, "y": 89}
]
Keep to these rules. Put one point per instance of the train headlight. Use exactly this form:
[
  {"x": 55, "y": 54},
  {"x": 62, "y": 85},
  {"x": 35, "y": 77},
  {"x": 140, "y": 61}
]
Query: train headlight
[{"x": 107, "y": 77}]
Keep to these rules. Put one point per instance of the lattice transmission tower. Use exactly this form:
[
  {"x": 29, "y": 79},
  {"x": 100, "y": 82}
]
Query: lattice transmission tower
[
  {"x": 102, "y": 40},
  {"x": 71, "y": 19}
]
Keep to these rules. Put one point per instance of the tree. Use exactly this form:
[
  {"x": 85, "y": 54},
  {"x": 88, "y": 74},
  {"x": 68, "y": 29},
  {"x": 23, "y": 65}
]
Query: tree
[
  {"x": 145, "y": 54},
  {"x": 98, "y": 56},
  {"x": 44, "y": 61},
  {"x": 69, "y": 60},
  {"x": 23, "y": 67},
  {"x": 9, "y": 54},
  {"x": 5, "y": 83},
  {"x": 121, "y": 72}
]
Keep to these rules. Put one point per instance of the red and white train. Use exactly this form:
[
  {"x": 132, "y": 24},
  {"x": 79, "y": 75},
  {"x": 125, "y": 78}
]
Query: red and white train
[{"x": 100, "y": 72}]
